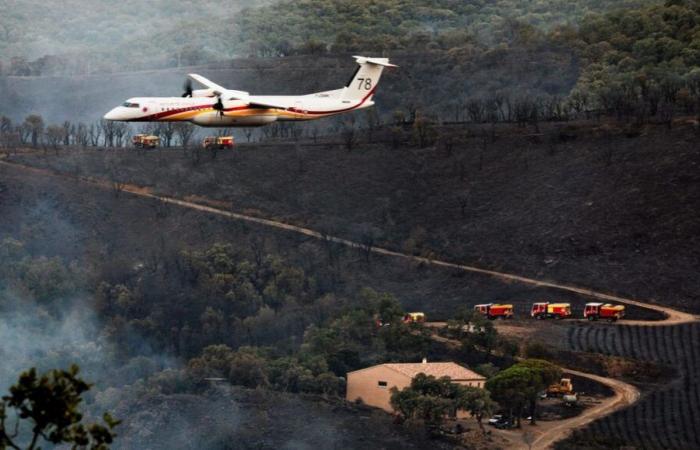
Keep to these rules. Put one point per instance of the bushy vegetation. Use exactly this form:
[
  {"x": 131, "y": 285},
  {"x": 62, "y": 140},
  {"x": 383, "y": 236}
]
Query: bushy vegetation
[
  {"x": 172, "y": 34},
  {"x": 642, "y": 62},
  {"x": 430, "y": 400},
  {"x": 314, "y": 26}
]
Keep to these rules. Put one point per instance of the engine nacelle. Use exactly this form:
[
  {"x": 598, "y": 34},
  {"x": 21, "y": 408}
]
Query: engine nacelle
[{"x": 203, "y": 93}]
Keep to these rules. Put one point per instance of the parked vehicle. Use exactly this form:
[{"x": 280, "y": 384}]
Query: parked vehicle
[
  {"x": 218, "y": 143},
  {"x": 145, "y": 141},
  {"x": 546, "y": 310},
  {"x": 495, "y": 311},
  {"x": 564, "y": 387},
  {"x": 570, "y": 399},
  {"x": 495, "y": 419},
  {"x": 606, "y": 311},
  {"x": 414, "y": 317}
]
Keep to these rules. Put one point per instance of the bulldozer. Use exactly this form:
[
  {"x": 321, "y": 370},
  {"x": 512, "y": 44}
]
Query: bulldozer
[{"x": 564, "y": 387}]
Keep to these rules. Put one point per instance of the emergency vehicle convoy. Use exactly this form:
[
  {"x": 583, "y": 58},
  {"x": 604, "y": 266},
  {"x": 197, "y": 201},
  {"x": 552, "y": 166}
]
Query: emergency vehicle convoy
[
  {"x": 546, "y": 310},
  {"x": 606, "y": 311},
  {"x": 495, "y": 311}
]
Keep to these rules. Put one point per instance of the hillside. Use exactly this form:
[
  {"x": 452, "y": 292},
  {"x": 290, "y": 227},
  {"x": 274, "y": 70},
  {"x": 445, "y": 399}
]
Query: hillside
[
  {"x": 587, "y": 205},
  {"x": 130, "y": 243},
  {"x": 87, "y": 36}
]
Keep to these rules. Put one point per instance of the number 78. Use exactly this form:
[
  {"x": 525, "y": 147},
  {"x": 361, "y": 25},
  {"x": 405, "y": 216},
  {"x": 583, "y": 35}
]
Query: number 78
[{"x": 364, "y": 82}]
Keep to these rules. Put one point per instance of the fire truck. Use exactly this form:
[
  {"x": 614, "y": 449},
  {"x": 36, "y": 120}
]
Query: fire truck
[
  {"x": 145, "y": 141},
  {"x": 546, "y": 310},
  {"x": 495, "y": 311},
  {"x": 218, "y": 143},
  {"x": 414, "y": 317},
  {"x": 595, "y": 311}
]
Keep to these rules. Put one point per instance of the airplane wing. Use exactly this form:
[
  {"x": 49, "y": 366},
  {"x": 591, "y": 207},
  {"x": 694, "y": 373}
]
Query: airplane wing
[
  {"x": 228, "y": 94},
  {"x": 209, "y": 84}
]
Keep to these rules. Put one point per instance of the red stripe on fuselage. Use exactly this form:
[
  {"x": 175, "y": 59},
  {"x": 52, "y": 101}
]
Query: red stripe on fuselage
[
  {"x": 371, "y": 93},
  {"x": 172, "y": 112}
]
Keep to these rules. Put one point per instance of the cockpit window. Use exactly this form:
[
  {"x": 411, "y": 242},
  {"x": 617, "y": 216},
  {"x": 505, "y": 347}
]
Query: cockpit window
[{"x": 130, "y": 105}]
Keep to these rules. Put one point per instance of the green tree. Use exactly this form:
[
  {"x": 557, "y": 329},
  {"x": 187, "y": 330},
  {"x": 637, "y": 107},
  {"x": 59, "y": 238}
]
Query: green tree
[
  {"x": 431, "y": 400},
  {"x": 49, "y": 403},
  {"x": 510, "y": 389},
  {"x": 519, "y": 386},
  {"x": 478, "y": 402}
]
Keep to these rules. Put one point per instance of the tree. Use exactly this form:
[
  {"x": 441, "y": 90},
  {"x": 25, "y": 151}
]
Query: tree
[
  {"x": 184, "y": 132},
  {"x": 509, "y": 388},
  {"x": 55, "y": 135},
  {"x": 5, "y": 124},
  {"x": 349, "y": 133},
  {"x": 426, "y": 399},
  {"x": 544, "y": 375},
  {"x": 166, "y": 131},
  {"x": 424, "y": 131},
  {"x": 478, "y": 402},
  {"x": 35, "y": 127},
  {"x": 520, "y": 385},
  {"x": 431, "y": 400},
  {"x": 49, "y": 403}
]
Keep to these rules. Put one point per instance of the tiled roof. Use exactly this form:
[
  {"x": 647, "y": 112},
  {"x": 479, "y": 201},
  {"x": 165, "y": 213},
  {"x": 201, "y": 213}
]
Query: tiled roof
[{"x": 436, "y": 369}]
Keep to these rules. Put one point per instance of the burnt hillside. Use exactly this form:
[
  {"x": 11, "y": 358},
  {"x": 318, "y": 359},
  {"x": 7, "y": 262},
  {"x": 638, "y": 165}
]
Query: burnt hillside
[{"x": 584, "y": 204}]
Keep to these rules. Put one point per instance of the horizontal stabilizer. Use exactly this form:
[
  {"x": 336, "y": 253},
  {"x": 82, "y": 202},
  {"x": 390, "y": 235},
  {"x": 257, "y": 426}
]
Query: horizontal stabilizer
[{"x": 377, "y": 61}]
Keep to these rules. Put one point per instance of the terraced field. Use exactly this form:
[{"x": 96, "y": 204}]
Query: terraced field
[{"x": 664, "y": 419}]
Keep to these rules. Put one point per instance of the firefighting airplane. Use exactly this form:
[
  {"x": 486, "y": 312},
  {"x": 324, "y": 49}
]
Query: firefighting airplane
[{"x": 217, "y": 106}]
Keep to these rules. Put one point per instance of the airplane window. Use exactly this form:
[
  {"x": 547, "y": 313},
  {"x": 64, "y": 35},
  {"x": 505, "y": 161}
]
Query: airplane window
[{"x": 130, "y": 105}]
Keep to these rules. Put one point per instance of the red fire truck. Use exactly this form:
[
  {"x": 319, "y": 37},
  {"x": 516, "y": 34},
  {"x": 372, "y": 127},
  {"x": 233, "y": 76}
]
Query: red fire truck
[
  {"x": 218, "y": 143},
  {"x": 495, "y": 311},
  {"x": 595, "y": 311},
  {"x": 546, "y": 310}
]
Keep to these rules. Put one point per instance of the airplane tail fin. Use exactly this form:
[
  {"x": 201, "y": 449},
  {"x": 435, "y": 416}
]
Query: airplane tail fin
[{"x": 364, "y": 81}]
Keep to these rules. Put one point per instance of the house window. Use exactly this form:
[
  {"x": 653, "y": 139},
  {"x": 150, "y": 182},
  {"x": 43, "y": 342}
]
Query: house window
[{"x": 381, "y": 384}]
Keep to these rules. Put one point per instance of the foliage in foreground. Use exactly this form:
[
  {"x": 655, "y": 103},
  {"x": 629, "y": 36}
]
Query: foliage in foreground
[{"x": 49, "y": 404}]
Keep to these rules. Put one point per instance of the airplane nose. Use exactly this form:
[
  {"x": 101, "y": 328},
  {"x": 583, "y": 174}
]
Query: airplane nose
[{"x": 112, "y": 115}]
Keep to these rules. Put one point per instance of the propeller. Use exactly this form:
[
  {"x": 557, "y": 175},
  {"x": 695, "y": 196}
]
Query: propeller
[
  {"x": 188, "y": 88},
  {"x": 219, "y": 106}
]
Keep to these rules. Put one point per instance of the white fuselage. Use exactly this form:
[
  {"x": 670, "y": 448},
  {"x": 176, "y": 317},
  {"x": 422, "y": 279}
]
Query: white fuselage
[
  {"x": 217, "y": 106},
  {"x": 200, "y": 110}
]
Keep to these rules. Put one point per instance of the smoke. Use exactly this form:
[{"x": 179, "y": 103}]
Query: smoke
[{"x": 32, "y": 337}]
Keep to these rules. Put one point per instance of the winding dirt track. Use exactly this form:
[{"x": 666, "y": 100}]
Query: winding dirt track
[
  {"x": 625, "y": 394},
  {"x": 545, "y": 436}
]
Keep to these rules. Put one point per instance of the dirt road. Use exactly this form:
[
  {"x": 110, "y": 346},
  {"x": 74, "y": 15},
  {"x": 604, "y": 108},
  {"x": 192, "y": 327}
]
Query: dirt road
[
  {"x": 625, "y": 394},
  {"x": 543, "y": 437},
  {"x": 208, "y": 206}
]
